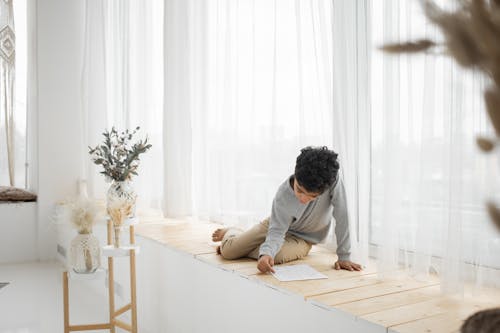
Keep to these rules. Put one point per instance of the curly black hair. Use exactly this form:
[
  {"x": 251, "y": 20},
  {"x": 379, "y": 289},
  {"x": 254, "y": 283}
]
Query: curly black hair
[
  {"x": 487, "y": 321},
  {"x": 316, "y": 168}
]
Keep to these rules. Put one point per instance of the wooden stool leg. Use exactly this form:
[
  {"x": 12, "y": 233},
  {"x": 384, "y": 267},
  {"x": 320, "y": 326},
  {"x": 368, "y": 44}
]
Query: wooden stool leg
[
  {"x": 111, "y": 284},
  {"x": 133, "y": 282},
  {"x": 66, "y": 302}
]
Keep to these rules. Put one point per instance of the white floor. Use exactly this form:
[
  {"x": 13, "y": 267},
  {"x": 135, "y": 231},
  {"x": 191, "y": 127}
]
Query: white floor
[{"x": 32, "y": 302}]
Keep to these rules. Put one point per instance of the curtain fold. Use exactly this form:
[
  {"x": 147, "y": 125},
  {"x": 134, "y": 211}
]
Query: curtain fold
[
  {"x": 351, "y": 112},
  {"x": 93, "y": 113},
  {"x": 179, "y": 33}
]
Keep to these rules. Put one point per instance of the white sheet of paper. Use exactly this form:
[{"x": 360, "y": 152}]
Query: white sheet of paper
[{"x": 297, "y": 273}]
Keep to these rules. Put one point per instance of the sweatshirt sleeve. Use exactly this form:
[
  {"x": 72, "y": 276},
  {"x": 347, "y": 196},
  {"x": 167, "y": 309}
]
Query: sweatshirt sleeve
[
  {"x": 278, "y": 226},
  {"x": 339, "y": 203}
]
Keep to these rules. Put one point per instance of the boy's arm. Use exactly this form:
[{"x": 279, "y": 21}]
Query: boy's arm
[
  {"x": 278, "y": 226},
  {"x": 339, "y": 202}
]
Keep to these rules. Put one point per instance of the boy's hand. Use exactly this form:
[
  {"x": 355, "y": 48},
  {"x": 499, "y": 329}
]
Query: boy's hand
[
  {"x": 347, "y": 265},
  {"x": 265, "y": 264}
]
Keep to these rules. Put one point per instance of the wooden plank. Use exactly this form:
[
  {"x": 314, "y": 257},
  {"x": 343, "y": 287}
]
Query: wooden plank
[
  {"x": 150, "y": 230},
  {"x": 185, "y": 239},
  {"x": 442, "y": 323},
  {"x": 389, "y": 301},
  {"x": 90, "y": 327},
  {"x": 454, "y": 312},
  {"x": 337, "y": 280},
  {"x": 176, "y": 230},
  {"x": 421, "y": 310},
  {"x": 248, "y": 271},
  {"x": 386, "y": 295},
  {"x": 196, "y": 248},
  {"x": 123, "y": 309},
  {"x": 123, "y": 325},
  {"x": 218, "y": 260}
]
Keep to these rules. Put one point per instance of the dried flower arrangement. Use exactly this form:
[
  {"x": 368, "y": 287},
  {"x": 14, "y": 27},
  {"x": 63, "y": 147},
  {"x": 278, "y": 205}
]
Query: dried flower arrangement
[
  {"x": 82, "y": 214},
  {"x": 118, "y": 210},
  {"x": 118, "y": 155},
  {"x": 472, "y": 38}
]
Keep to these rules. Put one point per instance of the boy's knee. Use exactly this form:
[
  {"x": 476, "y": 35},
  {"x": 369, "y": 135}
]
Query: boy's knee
[
  {"x": 292, "y": 254},
  {"x": 227, "y": 252}
]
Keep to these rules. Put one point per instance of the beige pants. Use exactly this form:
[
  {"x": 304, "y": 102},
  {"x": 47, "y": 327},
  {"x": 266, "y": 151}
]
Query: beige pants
[{"x": 238, "y": 244}]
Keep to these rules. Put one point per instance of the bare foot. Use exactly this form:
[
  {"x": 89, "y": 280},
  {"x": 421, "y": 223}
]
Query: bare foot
[{"x": 218, "y": 235}]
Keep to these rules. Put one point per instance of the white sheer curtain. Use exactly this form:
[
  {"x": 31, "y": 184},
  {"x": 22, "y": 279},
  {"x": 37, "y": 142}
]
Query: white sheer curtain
[
  {"x": 122, "y": 84},
  {"x": 248, "y": 83},
  {"x": 429, "y": 182}
]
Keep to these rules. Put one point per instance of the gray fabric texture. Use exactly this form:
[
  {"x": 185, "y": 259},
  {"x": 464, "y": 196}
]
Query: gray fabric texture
[{"x": 310, "y": 221}]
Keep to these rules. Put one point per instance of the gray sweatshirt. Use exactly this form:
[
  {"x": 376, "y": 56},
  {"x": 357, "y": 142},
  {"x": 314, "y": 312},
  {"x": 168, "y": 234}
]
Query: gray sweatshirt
[{"x": 310, "y": 221}]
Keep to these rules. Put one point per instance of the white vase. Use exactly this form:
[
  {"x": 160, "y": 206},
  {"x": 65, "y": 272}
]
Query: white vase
[{"x": 85, "y": 253}]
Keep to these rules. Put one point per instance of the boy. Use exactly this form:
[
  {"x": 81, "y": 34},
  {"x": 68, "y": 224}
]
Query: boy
[{"x": 301, "y": 216}]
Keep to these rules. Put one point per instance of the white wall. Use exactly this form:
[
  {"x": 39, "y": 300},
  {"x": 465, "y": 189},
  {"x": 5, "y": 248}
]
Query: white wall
[
  {"x": 18, "y": 235},
  {"x": 54, "y": 64},
  {"x": 59, "y": 41}
]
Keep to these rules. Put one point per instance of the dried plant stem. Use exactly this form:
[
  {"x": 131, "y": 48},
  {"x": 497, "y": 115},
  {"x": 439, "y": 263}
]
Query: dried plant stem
[
  {"x": 88, "y": 259},
  {"x": 118, "y": 211},
  {"x": 409, "y": 47},
  {"x": 494, "y": 214},
  {"x": 492, "y": 98}
]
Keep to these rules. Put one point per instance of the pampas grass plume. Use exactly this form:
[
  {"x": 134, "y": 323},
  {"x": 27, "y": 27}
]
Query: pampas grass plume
[{"x": 82, "y": 214}]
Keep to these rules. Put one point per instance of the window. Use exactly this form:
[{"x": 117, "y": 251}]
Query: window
[{"x": 20, "y": 119}]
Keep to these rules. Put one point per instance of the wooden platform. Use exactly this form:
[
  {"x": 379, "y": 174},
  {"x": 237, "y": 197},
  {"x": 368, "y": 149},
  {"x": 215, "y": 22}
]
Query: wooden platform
[{"x": 396, "y": 305}]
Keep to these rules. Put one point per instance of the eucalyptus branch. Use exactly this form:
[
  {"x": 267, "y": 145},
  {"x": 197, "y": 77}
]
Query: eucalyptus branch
[{"x": 118, "y": 155}]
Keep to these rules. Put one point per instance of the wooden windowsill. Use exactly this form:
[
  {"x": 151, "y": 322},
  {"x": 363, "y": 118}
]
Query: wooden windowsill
[{"x": 397, "y": 305}]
